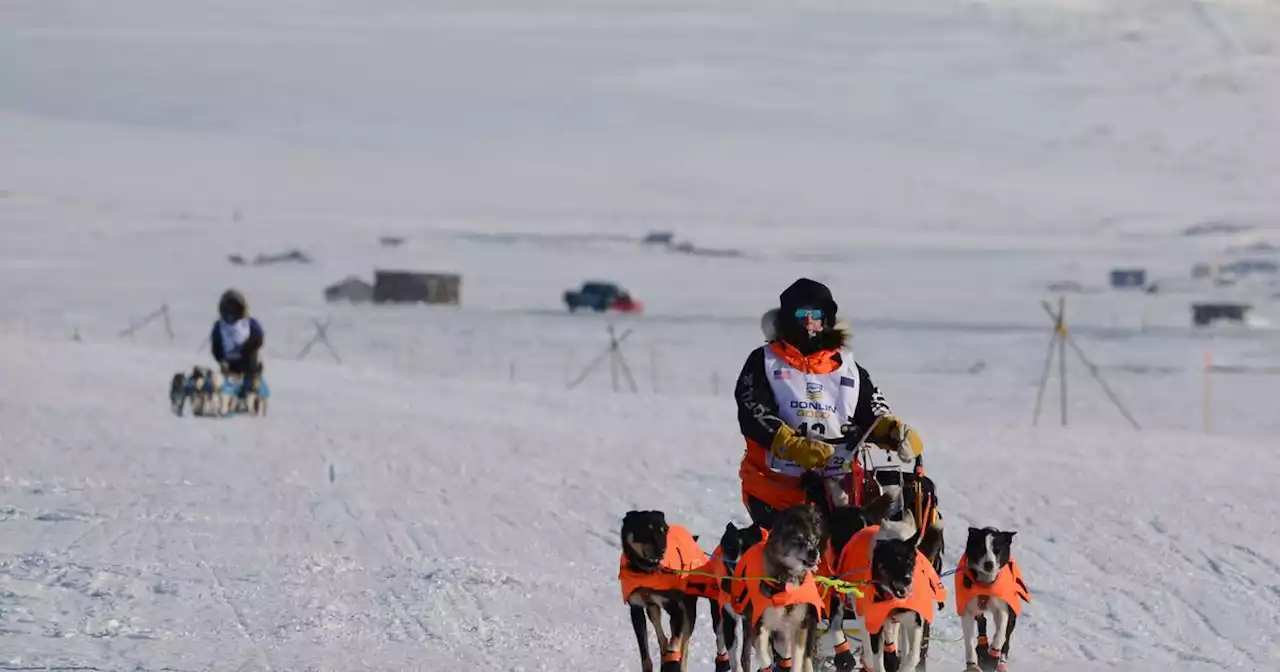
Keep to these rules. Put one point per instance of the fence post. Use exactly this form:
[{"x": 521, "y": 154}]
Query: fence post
[
  {"x": 653, "y": 366},
  {"x": 1208, "y": 399}
]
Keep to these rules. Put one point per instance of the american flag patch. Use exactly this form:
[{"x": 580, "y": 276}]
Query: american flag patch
[
  {"x": 782, "y": 374},
  {"x": 846, "y": 381}
]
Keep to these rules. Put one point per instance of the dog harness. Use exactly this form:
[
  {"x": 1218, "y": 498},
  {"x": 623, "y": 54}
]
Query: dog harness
[
  {"x": 1008, "y": 586},
  {"x": 827, "y": 562},
  {"x": 926, "y": 591},
  {"x": 683, "y": 554},
  {"x": 752, "y": 590},
  {"x": 709, "y": 586},
  {"x": 854, "y": 563}
]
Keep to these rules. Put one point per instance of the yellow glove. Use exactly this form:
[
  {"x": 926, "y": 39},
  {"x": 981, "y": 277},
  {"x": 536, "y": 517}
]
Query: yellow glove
[
  {"x": 893, "y": 434},
  {"x": 808, "y": 453}
]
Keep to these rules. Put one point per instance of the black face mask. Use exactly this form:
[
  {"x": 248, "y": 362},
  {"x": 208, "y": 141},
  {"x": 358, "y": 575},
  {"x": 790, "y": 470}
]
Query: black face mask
[{"x": 792, "y": 331}]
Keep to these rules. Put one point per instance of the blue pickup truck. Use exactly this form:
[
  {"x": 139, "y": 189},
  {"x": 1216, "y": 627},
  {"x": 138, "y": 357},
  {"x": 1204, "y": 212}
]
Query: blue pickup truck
[{"x": 600, "y": 297}]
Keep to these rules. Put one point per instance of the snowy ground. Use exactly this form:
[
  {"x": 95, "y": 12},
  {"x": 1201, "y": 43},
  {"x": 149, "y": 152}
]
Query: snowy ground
[{"x": 938, "y": 163}]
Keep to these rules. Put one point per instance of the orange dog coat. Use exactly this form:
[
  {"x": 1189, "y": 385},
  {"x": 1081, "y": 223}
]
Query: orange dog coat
[
  {"x": 926, "y": 592},
  {"x": 683, "y": 554},
  {"x": 1009, "y": 586},
  {"x": 709, "y": 586},
  {"x": 748, "y": 590}
]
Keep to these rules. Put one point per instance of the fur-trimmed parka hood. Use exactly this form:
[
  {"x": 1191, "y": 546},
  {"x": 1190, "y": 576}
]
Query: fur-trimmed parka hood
[
  {"x": 232, "y": 303},
  {"x": 835, "y": 338}
]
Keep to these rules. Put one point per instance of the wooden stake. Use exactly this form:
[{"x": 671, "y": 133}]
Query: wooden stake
[
  {"x": 610, "y": 352},
  {"x": 1044, "y": 375},
  {"x": 1208, "y": 398},
  {"x": 653, "y": 366},
  {"x": 168, "y": 326},
  {"x": 1064, "y": 339},
  {"x": 1062, "y": 355}
]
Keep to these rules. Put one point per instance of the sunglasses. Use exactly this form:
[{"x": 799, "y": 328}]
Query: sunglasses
[{"x": 815, "y": 313}]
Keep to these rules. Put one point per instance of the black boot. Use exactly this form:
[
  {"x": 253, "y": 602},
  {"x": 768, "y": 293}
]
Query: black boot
[{"x": 846, "y": 661}]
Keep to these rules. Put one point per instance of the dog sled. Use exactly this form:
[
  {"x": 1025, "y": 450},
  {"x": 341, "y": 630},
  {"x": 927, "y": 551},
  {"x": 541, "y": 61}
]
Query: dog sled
[{"x": 209, "y": 393}]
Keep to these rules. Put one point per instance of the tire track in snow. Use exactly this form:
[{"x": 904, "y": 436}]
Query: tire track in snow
[
  {"x": 1215, "y": 568},
  {"x": 1270, "y": 564},
  {"x": 400, "y": 608},
  {"x": 220, "y": 593}
]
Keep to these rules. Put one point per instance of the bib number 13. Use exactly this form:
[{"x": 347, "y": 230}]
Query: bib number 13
[{"x": 807, "y": 430}]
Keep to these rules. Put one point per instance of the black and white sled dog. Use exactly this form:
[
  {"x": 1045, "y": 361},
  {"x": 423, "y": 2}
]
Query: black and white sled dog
[
  {"x": 893, "y": 572},
  {"x": 989, "y": 585}
]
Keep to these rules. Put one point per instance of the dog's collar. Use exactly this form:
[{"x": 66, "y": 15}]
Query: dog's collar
[
  {"x": 771, "y": 587},
  {"x": 657, "y": 567}
]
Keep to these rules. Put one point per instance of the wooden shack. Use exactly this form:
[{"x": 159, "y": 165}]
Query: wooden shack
[
  {"x": 416, "y": 287},
  {"x": 1203, "y": 314}
]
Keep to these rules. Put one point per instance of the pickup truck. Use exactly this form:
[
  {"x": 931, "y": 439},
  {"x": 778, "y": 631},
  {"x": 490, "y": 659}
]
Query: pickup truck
[{"x": 601, "y": 297}]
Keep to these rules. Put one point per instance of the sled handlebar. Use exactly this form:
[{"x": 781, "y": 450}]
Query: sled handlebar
[{"x": 854, "y": 440}]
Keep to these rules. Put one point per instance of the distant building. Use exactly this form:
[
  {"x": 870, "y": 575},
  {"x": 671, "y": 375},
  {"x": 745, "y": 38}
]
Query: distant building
[
  {"x": 1203, "y": 314},
  {"x": 1128, "y": 278},
  {"x": 351, "y": 289},
  {"x": 415, "y": 287},
  {"x": 659, "y": 238}
]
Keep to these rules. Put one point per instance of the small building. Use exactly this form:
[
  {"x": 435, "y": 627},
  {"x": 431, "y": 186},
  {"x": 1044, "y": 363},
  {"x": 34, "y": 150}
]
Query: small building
[
  {"x": 351, "y": 289},
  {"x": 1242, "y": 268},
  {"x": 289, "y": 256},
  {"x": 1128, "y": 278},
  {"x": 659, "y": 238},
  {"x": 1203, "y": 314},
  {"x": 415, "y": 287}
]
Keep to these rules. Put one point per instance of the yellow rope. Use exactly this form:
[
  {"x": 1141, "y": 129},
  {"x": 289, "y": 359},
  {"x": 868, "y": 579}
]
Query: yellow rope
[{"x": 838, "y": 585}]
